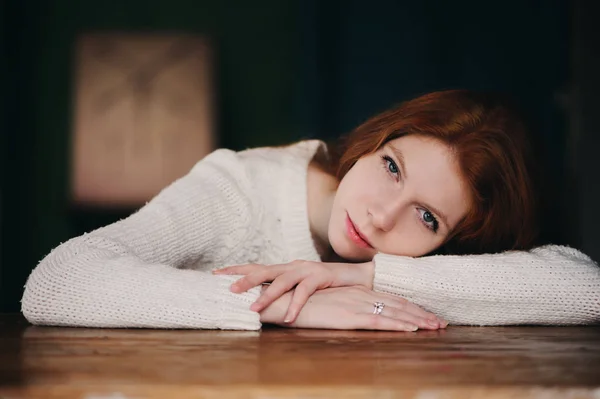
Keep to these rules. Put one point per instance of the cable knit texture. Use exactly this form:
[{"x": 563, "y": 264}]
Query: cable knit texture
[{"x": 152, "y": 269}]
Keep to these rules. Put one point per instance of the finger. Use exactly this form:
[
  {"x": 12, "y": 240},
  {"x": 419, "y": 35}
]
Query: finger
[
  {"x": 399, "y": 310},
  {"x": 403, "y": 304},
  {"x": 278, "y": 287},
  {"x": 253, "y": 279},
  {"x": 379, "y": 322},
  {"x": 406, "y": 305},
  {"x": 399, "y": 314},
  {"x": 301, "y": 294},
  {"x": 239, "y": 269}
]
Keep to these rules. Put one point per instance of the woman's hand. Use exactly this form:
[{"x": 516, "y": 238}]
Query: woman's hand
[
  {"x": 306, "y": 276},
  {"x": 351, "y": 308}
]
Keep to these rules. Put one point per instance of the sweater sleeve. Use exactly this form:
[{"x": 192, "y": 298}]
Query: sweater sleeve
[
  {"x": 549, "y": 285},
  {"x": 135, "y": 272}
]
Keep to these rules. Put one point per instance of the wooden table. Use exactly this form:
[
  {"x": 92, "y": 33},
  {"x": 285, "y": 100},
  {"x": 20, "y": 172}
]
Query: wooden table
[{"x": 460, "y": 362}]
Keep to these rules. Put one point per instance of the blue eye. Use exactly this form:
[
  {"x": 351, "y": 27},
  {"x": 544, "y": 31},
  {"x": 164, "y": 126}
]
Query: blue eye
[
  {"x": 390, "y": 165},
  {"x": 429, "y": 220},
  {"x": 428, "y": 217}
]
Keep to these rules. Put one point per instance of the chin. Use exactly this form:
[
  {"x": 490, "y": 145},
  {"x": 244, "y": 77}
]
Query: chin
[{"x": 347, "y": 251}]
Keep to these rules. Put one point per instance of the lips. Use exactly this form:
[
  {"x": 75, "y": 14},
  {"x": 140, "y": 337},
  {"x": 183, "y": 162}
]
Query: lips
[{"x": 355, "y": 235}]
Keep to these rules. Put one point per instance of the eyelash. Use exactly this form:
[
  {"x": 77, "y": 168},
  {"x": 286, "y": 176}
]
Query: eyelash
[{"x": 387, "y": 161}]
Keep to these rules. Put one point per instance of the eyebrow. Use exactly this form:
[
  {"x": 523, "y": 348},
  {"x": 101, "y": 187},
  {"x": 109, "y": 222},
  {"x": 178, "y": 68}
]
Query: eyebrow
[{"x": 400, "y": 158}]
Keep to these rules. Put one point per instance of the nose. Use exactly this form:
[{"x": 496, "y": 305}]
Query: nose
[{"x": 385, "y": 215}]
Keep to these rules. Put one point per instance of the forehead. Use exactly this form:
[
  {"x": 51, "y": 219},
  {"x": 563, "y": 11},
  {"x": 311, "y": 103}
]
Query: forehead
[{"x": 432, "y": 175}]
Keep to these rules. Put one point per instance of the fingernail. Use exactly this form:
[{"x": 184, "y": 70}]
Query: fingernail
[
  {"x": 433, "y": 323},
  {"x": 413, "y": 328},
  {"x": 215, "y": 271}
]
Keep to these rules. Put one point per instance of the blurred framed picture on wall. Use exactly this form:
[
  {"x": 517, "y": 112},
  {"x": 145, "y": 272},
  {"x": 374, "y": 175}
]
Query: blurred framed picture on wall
[{"x": 143, "y": 115}]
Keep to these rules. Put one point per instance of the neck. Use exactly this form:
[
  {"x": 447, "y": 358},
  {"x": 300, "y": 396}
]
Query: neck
[{"x": 321, "y": 192}]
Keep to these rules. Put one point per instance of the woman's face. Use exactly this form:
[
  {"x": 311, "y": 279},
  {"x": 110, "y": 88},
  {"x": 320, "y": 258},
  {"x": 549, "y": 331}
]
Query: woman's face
[{"x": 403, "y": 199}]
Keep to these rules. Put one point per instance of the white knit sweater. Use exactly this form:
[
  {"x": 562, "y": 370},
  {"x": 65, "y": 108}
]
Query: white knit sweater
[{"x": 152, "y": 269}]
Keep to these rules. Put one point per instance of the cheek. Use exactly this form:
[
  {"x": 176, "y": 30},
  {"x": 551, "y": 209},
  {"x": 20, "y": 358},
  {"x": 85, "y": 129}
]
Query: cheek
[
  {"x": 409, "y": 239},
  {"x": 349, "y": 190},
  {"x": 362, "y": 185}
]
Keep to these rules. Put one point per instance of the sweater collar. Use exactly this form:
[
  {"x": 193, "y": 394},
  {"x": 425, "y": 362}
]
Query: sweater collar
[{"x": 295, "y": 222}]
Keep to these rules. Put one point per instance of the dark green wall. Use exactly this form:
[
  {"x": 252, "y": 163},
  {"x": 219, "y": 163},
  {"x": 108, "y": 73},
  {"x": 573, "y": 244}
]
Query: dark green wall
[
  {"x": 256, "y": 46},
  {"x": 286, "y": 70}
]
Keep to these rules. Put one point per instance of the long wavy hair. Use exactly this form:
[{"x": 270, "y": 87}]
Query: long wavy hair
[{"x": 490, "y": 141}]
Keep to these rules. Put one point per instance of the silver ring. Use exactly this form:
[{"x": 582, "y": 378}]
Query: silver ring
[{"x": 378, "y": 307}]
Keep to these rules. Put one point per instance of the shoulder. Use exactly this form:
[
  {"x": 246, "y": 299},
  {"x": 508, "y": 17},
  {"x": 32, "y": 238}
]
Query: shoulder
[
  {"x": 300, "y": 151},
  {"x": 259, "y": 163},
  {"x": 267, "y": 156},
  {"x": 256, "y": 169}
]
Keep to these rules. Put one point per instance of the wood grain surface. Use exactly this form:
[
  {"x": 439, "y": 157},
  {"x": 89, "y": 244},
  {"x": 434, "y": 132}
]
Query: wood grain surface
[{"x": 459, "y": 362}]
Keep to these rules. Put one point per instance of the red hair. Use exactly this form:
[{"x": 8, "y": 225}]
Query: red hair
[{"x": 491, "y": 145}]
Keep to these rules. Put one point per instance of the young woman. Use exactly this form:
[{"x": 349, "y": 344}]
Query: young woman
[{"x": 349, "y": 241}]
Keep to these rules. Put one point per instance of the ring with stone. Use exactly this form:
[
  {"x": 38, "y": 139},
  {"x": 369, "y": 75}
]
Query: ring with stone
[{"x": 378, "y": 307}]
